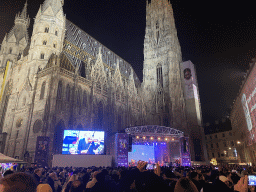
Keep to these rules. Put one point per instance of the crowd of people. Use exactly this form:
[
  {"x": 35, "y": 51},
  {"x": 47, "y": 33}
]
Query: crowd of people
[{"x": 132, "y": 179}]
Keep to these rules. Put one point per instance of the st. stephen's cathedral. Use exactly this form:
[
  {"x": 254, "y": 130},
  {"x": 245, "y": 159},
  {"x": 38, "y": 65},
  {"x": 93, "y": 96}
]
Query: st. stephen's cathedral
[{"x": 62, "y": 78}]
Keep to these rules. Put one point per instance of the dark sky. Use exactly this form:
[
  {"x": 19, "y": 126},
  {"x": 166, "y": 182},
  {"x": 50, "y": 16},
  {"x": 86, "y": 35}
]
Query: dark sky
[{"x": 219, "y": 38}]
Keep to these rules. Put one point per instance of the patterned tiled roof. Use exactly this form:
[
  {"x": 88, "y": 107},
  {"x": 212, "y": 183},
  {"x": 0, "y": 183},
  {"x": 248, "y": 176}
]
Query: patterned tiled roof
[{"x": 84, "y": 45}]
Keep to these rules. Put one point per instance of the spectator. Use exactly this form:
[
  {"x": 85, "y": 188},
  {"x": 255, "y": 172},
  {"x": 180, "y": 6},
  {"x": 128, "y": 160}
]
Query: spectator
[
  {"x": 91, "y": 183},
  {"x": 185, "y": 185},
  {"x": 8, "y": 172},
  {"x": 54, "y": 182},
  {"x": 76, "y": 186},
  {"x": 194, "y": 176},
  {"x": 43, "y": 188},
  {"x": 37, "y": 175},
  {"x": 18, "y": 182}
]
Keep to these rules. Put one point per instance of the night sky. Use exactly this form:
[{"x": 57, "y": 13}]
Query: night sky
[{"x": 219, "y": 38}]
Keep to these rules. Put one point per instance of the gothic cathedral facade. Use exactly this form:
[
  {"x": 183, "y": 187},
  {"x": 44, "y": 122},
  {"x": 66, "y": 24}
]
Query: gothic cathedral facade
[{"x": 62, "y": 78}]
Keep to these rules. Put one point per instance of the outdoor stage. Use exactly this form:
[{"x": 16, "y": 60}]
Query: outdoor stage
[
  {"x": 154, "y": 144},
  {"x": 151, "y": 143}
]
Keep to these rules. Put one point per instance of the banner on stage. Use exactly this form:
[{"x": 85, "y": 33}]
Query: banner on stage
[
  {"x": 185, "y": 154},
  {"x": 121, "y": 149},
  {"x": 42, "y": 150}
]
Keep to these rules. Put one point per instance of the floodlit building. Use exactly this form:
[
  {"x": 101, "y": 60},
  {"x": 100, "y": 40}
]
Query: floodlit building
[
  {"x": 243, "y": 116},
  {"x": 62, "y": 78}
]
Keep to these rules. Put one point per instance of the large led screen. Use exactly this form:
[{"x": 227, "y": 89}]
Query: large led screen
[
  {"x": 142, "y": 152},
  {"x": 83, "y": 142}
]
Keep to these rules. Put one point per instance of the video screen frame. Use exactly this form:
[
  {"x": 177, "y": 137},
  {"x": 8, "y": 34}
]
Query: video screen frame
[{"x": 83, "y": 142}]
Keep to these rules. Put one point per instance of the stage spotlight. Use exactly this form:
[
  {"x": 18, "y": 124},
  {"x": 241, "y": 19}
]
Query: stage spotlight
[
  {"x": 137, "y": 137},
  {"x": 151, "y": 138},
  {"x": 166, "y": 139},
  {"x": 144, "y": 137},
  {"x": 172, "y": 139},
  {"x": 158, "y": 138}
]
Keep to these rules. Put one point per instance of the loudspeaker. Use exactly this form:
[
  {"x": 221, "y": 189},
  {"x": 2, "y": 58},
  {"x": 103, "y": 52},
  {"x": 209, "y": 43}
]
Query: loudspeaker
[{"x": 130, "y": 143}]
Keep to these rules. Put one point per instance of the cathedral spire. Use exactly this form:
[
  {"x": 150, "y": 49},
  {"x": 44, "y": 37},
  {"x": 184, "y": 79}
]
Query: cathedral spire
[
  {"x": 24, "y": 11},
  {"x": 22, "y": 17},
  {"x": 56, "y": 5}
]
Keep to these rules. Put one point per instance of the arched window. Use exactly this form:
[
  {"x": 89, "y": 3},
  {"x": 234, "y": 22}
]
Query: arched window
[
  {"x": 98, "y": 86},
  {"x": 18, "y": 58},
  {"x": 42, "y": 56},
  {"x": 24, "y": 101},
  {"x": 84, "y": 99},
  {"x": 54, "y": 45},
  {"x": 78, "y": 97},
  {"x": 105, "y": 89},
  {"x": 56, "y": 33},
  {"x": 68, "y": 93},
  {"x": 59, "y": 91},
  {"x": 159, "y": 75},
  {"x": 157, "y": 25},
  {"x": 44, "y": 42},
  {"x": 46, "y": 30},
  {"x": 123, "y": 97},
  {"x": 42, "y": 90},
  {"x": 117, "y": 94},
  {"x": 10, "y": 51},
  {"x": 38, "y": 126},
  {"x": 157, "y": 31}
]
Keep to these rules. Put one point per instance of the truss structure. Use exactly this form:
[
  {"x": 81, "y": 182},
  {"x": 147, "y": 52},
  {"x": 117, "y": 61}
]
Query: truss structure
[{"x": 154, "y": 130}]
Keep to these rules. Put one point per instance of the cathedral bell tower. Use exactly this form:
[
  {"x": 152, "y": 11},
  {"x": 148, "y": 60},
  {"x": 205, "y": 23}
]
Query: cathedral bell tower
[
  {"x": 16, "y": 40},
  {"x": 48, "y": 32},
  {"x": 161, "y": 71}
]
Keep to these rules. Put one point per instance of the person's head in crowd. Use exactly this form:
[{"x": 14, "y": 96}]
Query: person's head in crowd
[
  {"x": 73, "y": 178},
  {"x": 100, "y": 177},
  {"x": 185, "y": 185},
  {"x": 53, "y": 176},
  {"x": 38, "y": 172},
  {"x": 225, "y": 180},
  {"x": 8, "y": 172},
  {"x": 194, "y": 175},
  {"x": 76, "y": 186},
  {"x": 18, "y": 182},
  {"x": 235, "y": 178},
  {"x": 168, "y": 174},
  {"x": 43, "y": 188}
]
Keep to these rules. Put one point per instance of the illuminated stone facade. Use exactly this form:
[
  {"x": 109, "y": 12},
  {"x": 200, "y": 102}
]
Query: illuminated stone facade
[
  {"x": 243, "y": 117},
  {"x": 62, "y": 78}
]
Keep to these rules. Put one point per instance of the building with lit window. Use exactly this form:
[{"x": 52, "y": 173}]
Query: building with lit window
[{"x": 222, "y": 142}]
